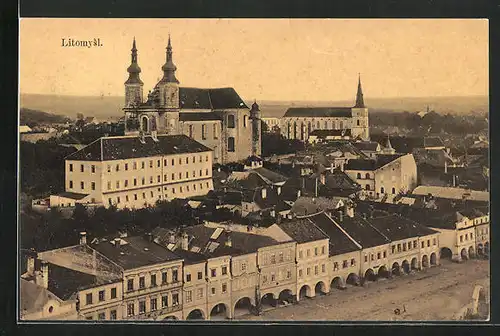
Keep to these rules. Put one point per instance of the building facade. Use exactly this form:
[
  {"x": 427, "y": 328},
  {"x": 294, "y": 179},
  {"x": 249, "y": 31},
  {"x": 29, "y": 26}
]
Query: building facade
[
  {"x": 130, "y": 172},
  {"x": 385, "y": 176},
  {"x": 299, "y": 122},
  {"x": 217, "y": 118}
]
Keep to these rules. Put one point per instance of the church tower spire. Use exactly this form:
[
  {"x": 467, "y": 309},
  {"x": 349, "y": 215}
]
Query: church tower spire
[
  {"x": 360, "y": 103},
  {"x": 169, "y": 67},
  {"x": 134, "y": 84}
]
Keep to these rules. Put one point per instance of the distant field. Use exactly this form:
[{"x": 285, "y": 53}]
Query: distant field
[{"x": 110, "y": 106}]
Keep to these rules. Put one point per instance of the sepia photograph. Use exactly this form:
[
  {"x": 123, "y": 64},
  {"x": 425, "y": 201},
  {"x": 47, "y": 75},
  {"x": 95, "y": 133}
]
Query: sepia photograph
[{"x": 246, "y": 170}]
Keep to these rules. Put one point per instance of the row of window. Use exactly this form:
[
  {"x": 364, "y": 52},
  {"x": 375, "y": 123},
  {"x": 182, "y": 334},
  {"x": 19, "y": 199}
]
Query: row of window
[
  {"x": 134, "y": 182},
  {"x": 152, "y": 282},
  {"x": 213, "y": 290},
  {"x": 231, "y": 123},
  {"x": 316, "y": 252},
  {"x": 213, "y": 271},
  {"x": 272, "y": 277},
  {"x": 379, "y": 256},
  {"x": 483, "y": 231},
  {"x": 281, "y": 257},
  {"x": 292, "y": 128},
  {"x": 316, "y": 270},
  {"x": 153, "y": 304},
  {"x": 102, "y": 315},
  {"x": 101, "y": 296},
  {"x": 412, "y": 245},
  {"x": 204, "y": 131},
  {"x": 467, "y": 237},
  {"x": 82, "y": 185},
  {"x": 143, "y": 164},
  {"x": 188, "y": 295},
  {"x": 345, "y": 264},
  {"x": 159, "y": 196}
]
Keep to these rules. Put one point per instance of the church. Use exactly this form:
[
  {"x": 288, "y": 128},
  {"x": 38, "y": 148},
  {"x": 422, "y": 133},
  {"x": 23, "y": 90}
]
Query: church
[
  {"x": 217, "y": 117},
  {"x": 352, "y": 122}
]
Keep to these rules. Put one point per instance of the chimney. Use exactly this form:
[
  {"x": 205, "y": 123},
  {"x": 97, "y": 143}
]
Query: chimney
[
  {"x": 229, "y": 243},
  {"x": 341, "y": 215},
  {"x": 149, "y": 237},
  {"x": 349, "y": 211},
  {"x": 44, "y": 269},
  {"x": 83, "y": 238},
  {"x": 323, "y": 178},
  {"x": 264, "y": 192},
  {"x": 279, "y": 190},
  {"x": 298, "y": 193},
  {"x": 117, "y": 242},
  {"x": 445, "y": 166},
  {"x": 171, "y": 237},
  {"x": 454, "y": 180},
  {"x": 185, "y": 242}
]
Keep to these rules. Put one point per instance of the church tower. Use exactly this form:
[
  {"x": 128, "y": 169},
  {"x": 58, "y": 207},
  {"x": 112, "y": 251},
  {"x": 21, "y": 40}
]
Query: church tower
[
  {"x": 168, "y": 92},
  {"x": 134, "y": 84},
  {"x": 256, "y": 129},
  {"x": 169, "y": 85},
  {"x": 360, "y": 126}
]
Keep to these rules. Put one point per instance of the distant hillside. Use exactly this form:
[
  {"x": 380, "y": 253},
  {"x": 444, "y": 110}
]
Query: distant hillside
[
  {"x": 102, "y": 108},
  {"x": 110, "y": 106},
  {"x": 28, "y": 116}
]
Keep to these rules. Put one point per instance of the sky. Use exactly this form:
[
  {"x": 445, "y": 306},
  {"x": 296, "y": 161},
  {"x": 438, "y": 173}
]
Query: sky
[{"x": 263, "y": 59}]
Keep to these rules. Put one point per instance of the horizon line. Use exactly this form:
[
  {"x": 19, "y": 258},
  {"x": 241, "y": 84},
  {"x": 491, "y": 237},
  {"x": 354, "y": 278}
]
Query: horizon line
[{"x": 270, "y": 100}]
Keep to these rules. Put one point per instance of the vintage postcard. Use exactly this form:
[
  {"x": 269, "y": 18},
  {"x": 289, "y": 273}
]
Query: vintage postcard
[{"x": 254, "y": 170}]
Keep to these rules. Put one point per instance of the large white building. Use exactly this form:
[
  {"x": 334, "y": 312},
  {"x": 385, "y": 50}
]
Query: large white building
[{"x": 130, "y": 171}]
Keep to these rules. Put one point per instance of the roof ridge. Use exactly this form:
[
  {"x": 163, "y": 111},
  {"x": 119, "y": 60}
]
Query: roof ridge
[{"x": 344, "y": 231}]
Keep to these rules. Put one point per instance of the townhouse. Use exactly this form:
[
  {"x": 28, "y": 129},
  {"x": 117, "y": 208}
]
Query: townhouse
[
  {"x": 385, "y": 176},
  {"x": 311, "y": 255},
  {"x": 152, "y": 277}
]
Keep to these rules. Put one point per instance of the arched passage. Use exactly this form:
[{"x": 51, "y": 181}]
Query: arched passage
[
  {"x": 471, "y": 252},
  {"x": 446, "y": 253},
  {"x": 337, "y": 282},
  {"x": 370, "y": 275},
  {"x": 320, "y": 288},
  {"x": 463, "y": 254},
  {"x": 395, "y": 269},
  {"x": 268, "y": 301},
  {"x": 425, "y": 261},
  {"x": 242, "y": 307},
  {"x": 286, "y": 296},
  {"x": 383, "y": 273},
  {"x": 219, "y": 312},
  {"x": 196, "y": 314},
  {"x": 433, "y": 259},
  {"x": 305, "y": 291},
  {"x": 406, "y": 266},
  {"x": 352, "y": 279},
  {"x": 480, "y": 249},
  {"x": 170, "y": 318},
  {"x": 414, "y": 264}
]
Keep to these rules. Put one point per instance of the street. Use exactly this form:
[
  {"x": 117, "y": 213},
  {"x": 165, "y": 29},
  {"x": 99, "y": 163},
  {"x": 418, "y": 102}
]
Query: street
[{"x": 436, "y": 294}]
